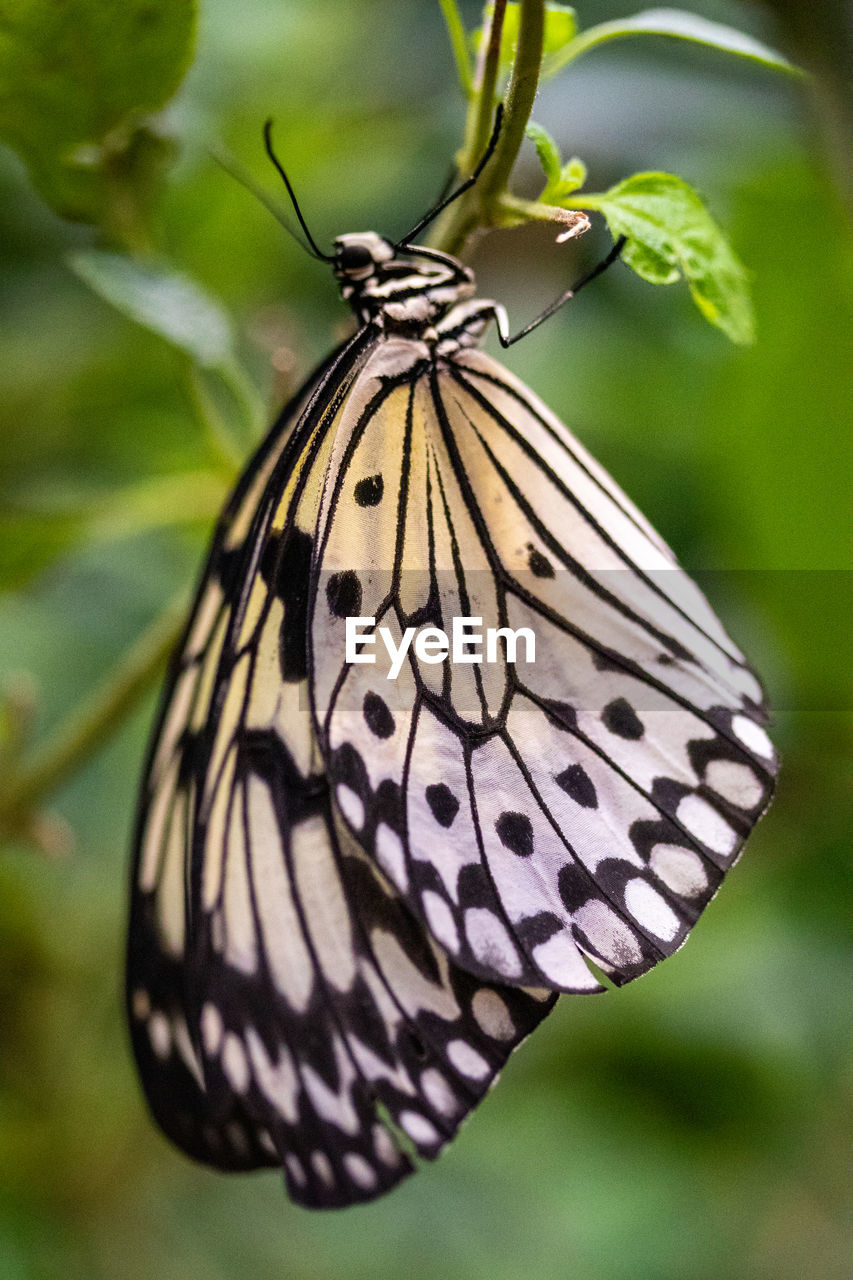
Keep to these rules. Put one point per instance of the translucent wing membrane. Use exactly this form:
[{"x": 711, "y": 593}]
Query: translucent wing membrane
[{"x": 358, "y": 885}]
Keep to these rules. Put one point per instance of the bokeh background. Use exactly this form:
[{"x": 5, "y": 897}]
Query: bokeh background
[{"x": 689, "y": 1125}]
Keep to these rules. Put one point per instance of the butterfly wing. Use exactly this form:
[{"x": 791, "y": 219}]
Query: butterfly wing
[
  {"x": 284, "y": 1002},
  {"x": 584, "y": 803}
]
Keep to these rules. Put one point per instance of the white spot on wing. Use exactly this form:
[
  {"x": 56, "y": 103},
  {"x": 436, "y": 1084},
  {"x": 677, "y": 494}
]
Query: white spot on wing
[
  {"x": 438, "y": 1092},
  {"x": 734, "y": 782},
  {"x": 492, "y": 1015},
  {"x": 703, "y": 821},
  {"x": 360, "y": 1171},
  {"x": 467, "y": 1060},
  {"x": 211, "y": 1029},
  {"x": 185, "y": 1048},
  {"x": 350, "y": 805},
  {"x": 490, "y": 942},
  {"x": 680, "y": 869},
  {"x": 650, "y": 911},
  {"x": 562, "y": 963},
  {"x": 383, "y": 1145},
  {"x": 391, "y": 856},
  {"x": 419, "y": 1128},
  {"x": 141, "y": 1004},
  {"x": 277, "y": 1080},
  {"x": 609, "y": 935},
  {"x": 753, "y": 736},
  {"x": 234, "y": 1063},
  {"x": 440, "y": 920},
  {"x": 322, "y": 1167},
  {"x": 160, "y": 1034},
  {"x": 336, "y": 1108}
]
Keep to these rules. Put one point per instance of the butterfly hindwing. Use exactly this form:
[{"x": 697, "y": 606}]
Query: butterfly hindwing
[{"x": 284, "y": 1001}]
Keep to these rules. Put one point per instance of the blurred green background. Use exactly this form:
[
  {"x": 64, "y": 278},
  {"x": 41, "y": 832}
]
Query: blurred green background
[{"x": 689, "y": 1125}]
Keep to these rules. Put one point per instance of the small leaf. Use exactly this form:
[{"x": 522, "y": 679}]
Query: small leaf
[
  {"x": 547, "y": 151},
  {"x": 572, "y": 175},
  {"x": 561, "y": 24},
  {"x": 669, "y": 233},
  {"x": 164, "y": 301},
  {"x": 75, "y": 78}
]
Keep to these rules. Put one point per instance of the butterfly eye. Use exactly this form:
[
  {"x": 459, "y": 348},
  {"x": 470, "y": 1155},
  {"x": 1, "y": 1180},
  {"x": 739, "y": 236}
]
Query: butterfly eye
[{"x": 353, "y": 259}]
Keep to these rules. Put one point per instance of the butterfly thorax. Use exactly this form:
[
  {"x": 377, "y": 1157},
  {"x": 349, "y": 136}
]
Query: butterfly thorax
[{"x": 399, "y": 293}]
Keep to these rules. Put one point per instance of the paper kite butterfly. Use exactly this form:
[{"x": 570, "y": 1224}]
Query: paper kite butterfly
[{"x": 354, "y": 896}]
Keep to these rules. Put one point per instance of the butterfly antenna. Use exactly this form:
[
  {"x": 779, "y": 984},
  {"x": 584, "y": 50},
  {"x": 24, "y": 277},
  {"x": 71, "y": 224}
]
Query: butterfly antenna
[
  {"x": 462, "y": 188},
  {"x": 235, "y": 170},
  {"x": 613, "y": 255},
  {"x": 314, "y": 248}
]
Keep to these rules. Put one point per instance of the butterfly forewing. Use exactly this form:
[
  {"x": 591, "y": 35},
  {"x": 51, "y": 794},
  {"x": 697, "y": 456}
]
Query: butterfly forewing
[{"x": 586, "y": 802}]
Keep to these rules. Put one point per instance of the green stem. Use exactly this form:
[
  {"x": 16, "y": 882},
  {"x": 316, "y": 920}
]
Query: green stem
[
  {"x": 481, "y": 206},
  {"x": 515, "y": 211},
  {"x": 94, "y": 719},
  {"x": 519, "y": 99},
  {"x": 461, "y": 218},
  {"x": 478, "y": 126},
  {"x": 459, "y": 44}
]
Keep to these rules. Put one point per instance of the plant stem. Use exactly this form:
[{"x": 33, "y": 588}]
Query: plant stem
[
  {"x": 519, "y": 99},
  {"x": 459, "y": 44},
  {"x": 480, "y": 207},
  {"x": 461, "y": 219},
  {"x": 90, "y": 723}
]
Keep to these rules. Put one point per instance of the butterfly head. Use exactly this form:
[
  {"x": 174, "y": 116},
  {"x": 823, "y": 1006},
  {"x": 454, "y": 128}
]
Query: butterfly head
[
  {"x": 404, "y": 287},
  {"x": 360, "y": 255}
]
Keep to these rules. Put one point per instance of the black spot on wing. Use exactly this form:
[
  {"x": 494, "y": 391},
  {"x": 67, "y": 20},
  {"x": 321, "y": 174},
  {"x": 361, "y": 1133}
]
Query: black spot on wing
[
  {"x": 621, "y": 718},
  {"x": 443, "y": 803},
  {"x": 369, "y": 491},
  {"x": 577, "y": 783},
  {"x": 377, "y": 716},
  {"x": 515, "y": 833},
  {"x": 343, "y": 594},
  {"x": 540, "y": 566}
]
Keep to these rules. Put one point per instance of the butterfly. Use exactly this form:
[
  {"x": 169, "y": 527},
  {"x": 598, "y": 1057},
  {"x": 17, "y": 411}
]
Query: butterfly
[{"x": 353, "y": 896}]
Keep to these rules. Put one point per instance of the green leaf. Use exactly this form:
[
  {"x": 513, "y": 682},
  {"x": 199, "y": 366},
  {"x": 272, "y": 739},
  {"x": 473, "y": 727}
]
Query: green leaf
[
  {"x": 572, "y": 175},
  {"x": 561, "y": 24},
  {"x": 75, "y": 78},
  {"x": 675, "y": 23},
  {"x": 177, "y": 309},
  {"x": 670, "y": 233},
  {"x": 560, "y": 29},
  {"x": 560, "y": 179},
  {"x": 164, "y": 301},
  {"x": 547, "y": 151}
]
